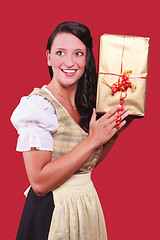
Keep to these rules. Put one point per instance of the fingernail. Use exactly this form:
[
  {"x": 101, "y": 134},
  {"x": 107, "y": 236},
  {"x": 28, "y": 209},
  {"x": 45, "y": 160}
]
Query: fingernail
[
  {"x": 124, "y": 122},
  {"x": 119, "y": 108}
]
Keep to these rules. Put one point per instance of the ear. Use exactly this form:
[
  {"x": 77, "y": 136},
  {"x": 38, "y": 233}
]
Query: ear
[{"x": 48, "y": 55}]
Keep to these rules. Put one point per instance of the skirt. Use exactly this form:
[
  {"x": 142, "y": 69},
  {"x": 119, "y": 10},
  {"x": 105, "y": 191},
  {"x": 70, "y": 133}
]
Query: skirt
[{"x": 70, "y": 212}]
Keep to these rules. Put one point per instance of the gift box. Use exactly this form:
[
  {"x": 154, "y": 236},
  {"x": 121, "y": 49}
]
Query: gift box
[{"x": 122, "y": 76}]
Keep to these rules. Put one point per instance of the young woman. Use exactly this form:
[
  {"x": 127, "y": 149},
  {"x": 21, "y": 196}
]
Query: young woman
[{"x": 62, "y": 142}]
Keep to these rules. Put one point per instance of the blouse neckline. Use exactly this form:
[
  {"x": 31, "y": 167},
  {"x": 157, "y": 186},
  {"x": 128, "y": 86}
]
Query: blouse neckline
[{"x": 45, "y": 89}]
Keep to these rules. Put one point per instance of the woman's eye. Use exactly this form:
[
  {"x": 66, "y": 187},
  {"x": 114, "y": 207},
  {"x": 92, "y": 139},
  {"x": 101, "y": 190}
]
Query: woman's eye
[
  {"x": 60, "y": 53},
  {"x": 79, "y": 54}
]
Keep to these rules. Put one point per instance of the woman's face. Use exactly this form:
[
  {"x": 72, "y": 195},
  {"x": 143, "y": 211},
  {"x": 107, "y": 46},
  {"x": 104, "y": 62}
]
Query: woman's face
[{"x": 67, "y": 59}]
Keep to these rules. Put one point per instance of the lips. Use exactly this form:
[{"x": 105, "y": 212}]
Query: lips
[{"x": 69, "y": 72}]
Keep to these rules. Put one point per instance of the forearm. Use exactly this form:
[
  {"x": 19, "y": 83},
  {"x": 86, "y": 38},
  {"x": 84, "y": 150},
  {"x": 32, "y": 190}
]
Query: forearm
[
  {"x": 106, "y": 149},
  {"x": 50, "y": 175},
  {"x": 108, "y": 145}
]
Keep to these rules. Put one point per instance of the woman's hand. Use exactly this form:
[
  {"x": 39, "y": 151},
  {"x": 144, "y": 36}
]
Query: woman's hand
[
  {"x": 129, "y": 120},
  {"x": 103, "y": 129}
]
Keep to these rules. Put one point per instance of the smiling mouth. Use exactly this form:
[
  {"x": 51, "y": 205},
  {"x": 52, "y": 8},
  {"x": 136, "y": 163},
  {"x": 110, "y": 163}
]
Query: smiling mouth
[{"x": 69, "y": 72}]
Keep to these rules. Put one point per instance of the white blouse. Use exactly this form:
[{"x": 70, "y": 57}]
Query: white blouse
[{"x": 35, "y": 120}]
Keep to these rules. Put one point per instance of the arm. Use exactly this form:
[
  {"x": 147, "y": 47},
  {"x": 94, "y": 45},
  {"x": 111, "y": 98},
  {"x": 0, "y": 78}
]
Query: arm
[
  {"x": 108, "y": 145},
  {"x": 106, "y": 149},
  {"x": 45, "y": 175}
]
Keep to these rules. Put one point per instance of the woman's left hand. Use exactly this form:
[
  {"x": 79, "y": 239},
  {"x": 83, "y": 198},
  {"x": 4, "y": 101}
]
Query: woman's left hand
[{"x": 129, "y": 119}]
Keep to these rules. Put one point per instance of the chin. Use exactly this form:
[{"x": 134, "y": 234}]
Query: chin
[
  {"x": 66, "y": 85},
  {"x": 69, "y": 82}
]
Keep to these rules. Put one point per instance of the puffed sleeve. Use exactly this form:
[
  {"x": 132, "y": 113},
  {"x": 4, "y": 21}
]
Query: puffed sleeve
[{"x": 35, "y": 120}]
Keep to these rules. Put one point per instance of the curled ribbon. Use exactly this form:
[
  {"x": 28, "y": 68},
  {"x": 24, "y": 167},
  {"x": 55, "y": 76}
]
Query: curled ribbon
[{"x": 122, "y": 85}]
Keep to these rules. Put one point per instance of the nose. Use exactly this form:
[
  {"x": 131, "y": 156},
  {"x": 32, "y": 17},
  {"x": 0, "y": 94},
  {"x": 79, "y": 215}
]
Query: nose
[{"x": 69, "y": 61}]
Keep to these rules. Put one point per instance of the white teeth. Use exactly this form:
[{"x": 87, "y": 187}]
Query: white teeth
[{"x": 68, "y": 71}]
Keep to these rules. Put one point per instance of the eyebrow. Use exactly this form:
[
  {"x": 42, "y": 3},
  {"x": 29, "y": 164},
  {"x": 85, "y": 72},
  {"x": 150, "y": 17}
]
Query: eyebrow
[
  {"x": 61, "y": 48},
  {"x": 77, "y": 49}
]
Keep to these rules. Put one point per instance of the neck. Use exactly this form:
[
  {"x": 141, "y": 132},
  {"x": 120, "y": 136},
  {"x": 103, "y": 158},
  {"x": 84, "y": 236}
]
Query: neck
[{"x": 65, "y": 93}]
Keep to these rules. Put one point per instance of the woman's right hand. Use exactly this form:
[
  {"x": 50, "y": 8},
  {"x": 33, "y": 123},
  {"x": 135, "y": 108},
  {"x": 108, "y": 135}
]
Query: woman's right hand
[{"x": 103, "y": 129}]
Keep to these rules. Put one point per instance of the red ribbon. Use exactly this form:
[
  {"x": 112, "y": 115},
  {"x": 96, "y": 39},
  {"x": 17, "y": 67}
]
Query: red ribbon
[{"x": 122, "y": 85}]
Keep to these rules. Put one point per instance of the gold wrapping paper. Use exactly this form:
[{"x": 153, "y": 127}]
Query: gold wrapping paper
[{"x": 135, "y": 58}]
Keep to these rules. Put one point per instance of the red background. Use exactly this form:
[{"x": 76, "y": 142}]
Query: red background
[{"x": 128, "y": 180}]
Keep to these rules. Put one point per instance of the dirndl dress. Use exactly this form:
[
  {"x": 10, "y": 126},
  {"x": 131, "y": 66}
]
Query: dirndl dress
[{"x": 72, "y": 211}]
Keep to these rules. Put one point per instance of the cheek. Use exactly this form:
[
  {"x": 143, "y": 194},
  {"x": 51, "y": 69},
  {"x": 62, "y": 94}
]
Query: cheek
[
  {"x": 56, "y": 62},
  {"x": 82, "y": 63}
]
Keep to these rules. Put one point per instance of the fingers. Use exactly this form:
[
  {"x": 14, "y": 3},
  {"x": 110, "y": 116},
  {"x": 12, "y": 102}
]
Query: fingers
[
  {"x": 113, "y": 120},
  {"x": 118, "y": 128},
  {"x": 112, "y": 111},
  {"x": 112, "y": 115},
  {"x": 124, "y": 113},
  {"x": 104, "y": 128},
  {"x": 122, "y": 124}
]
